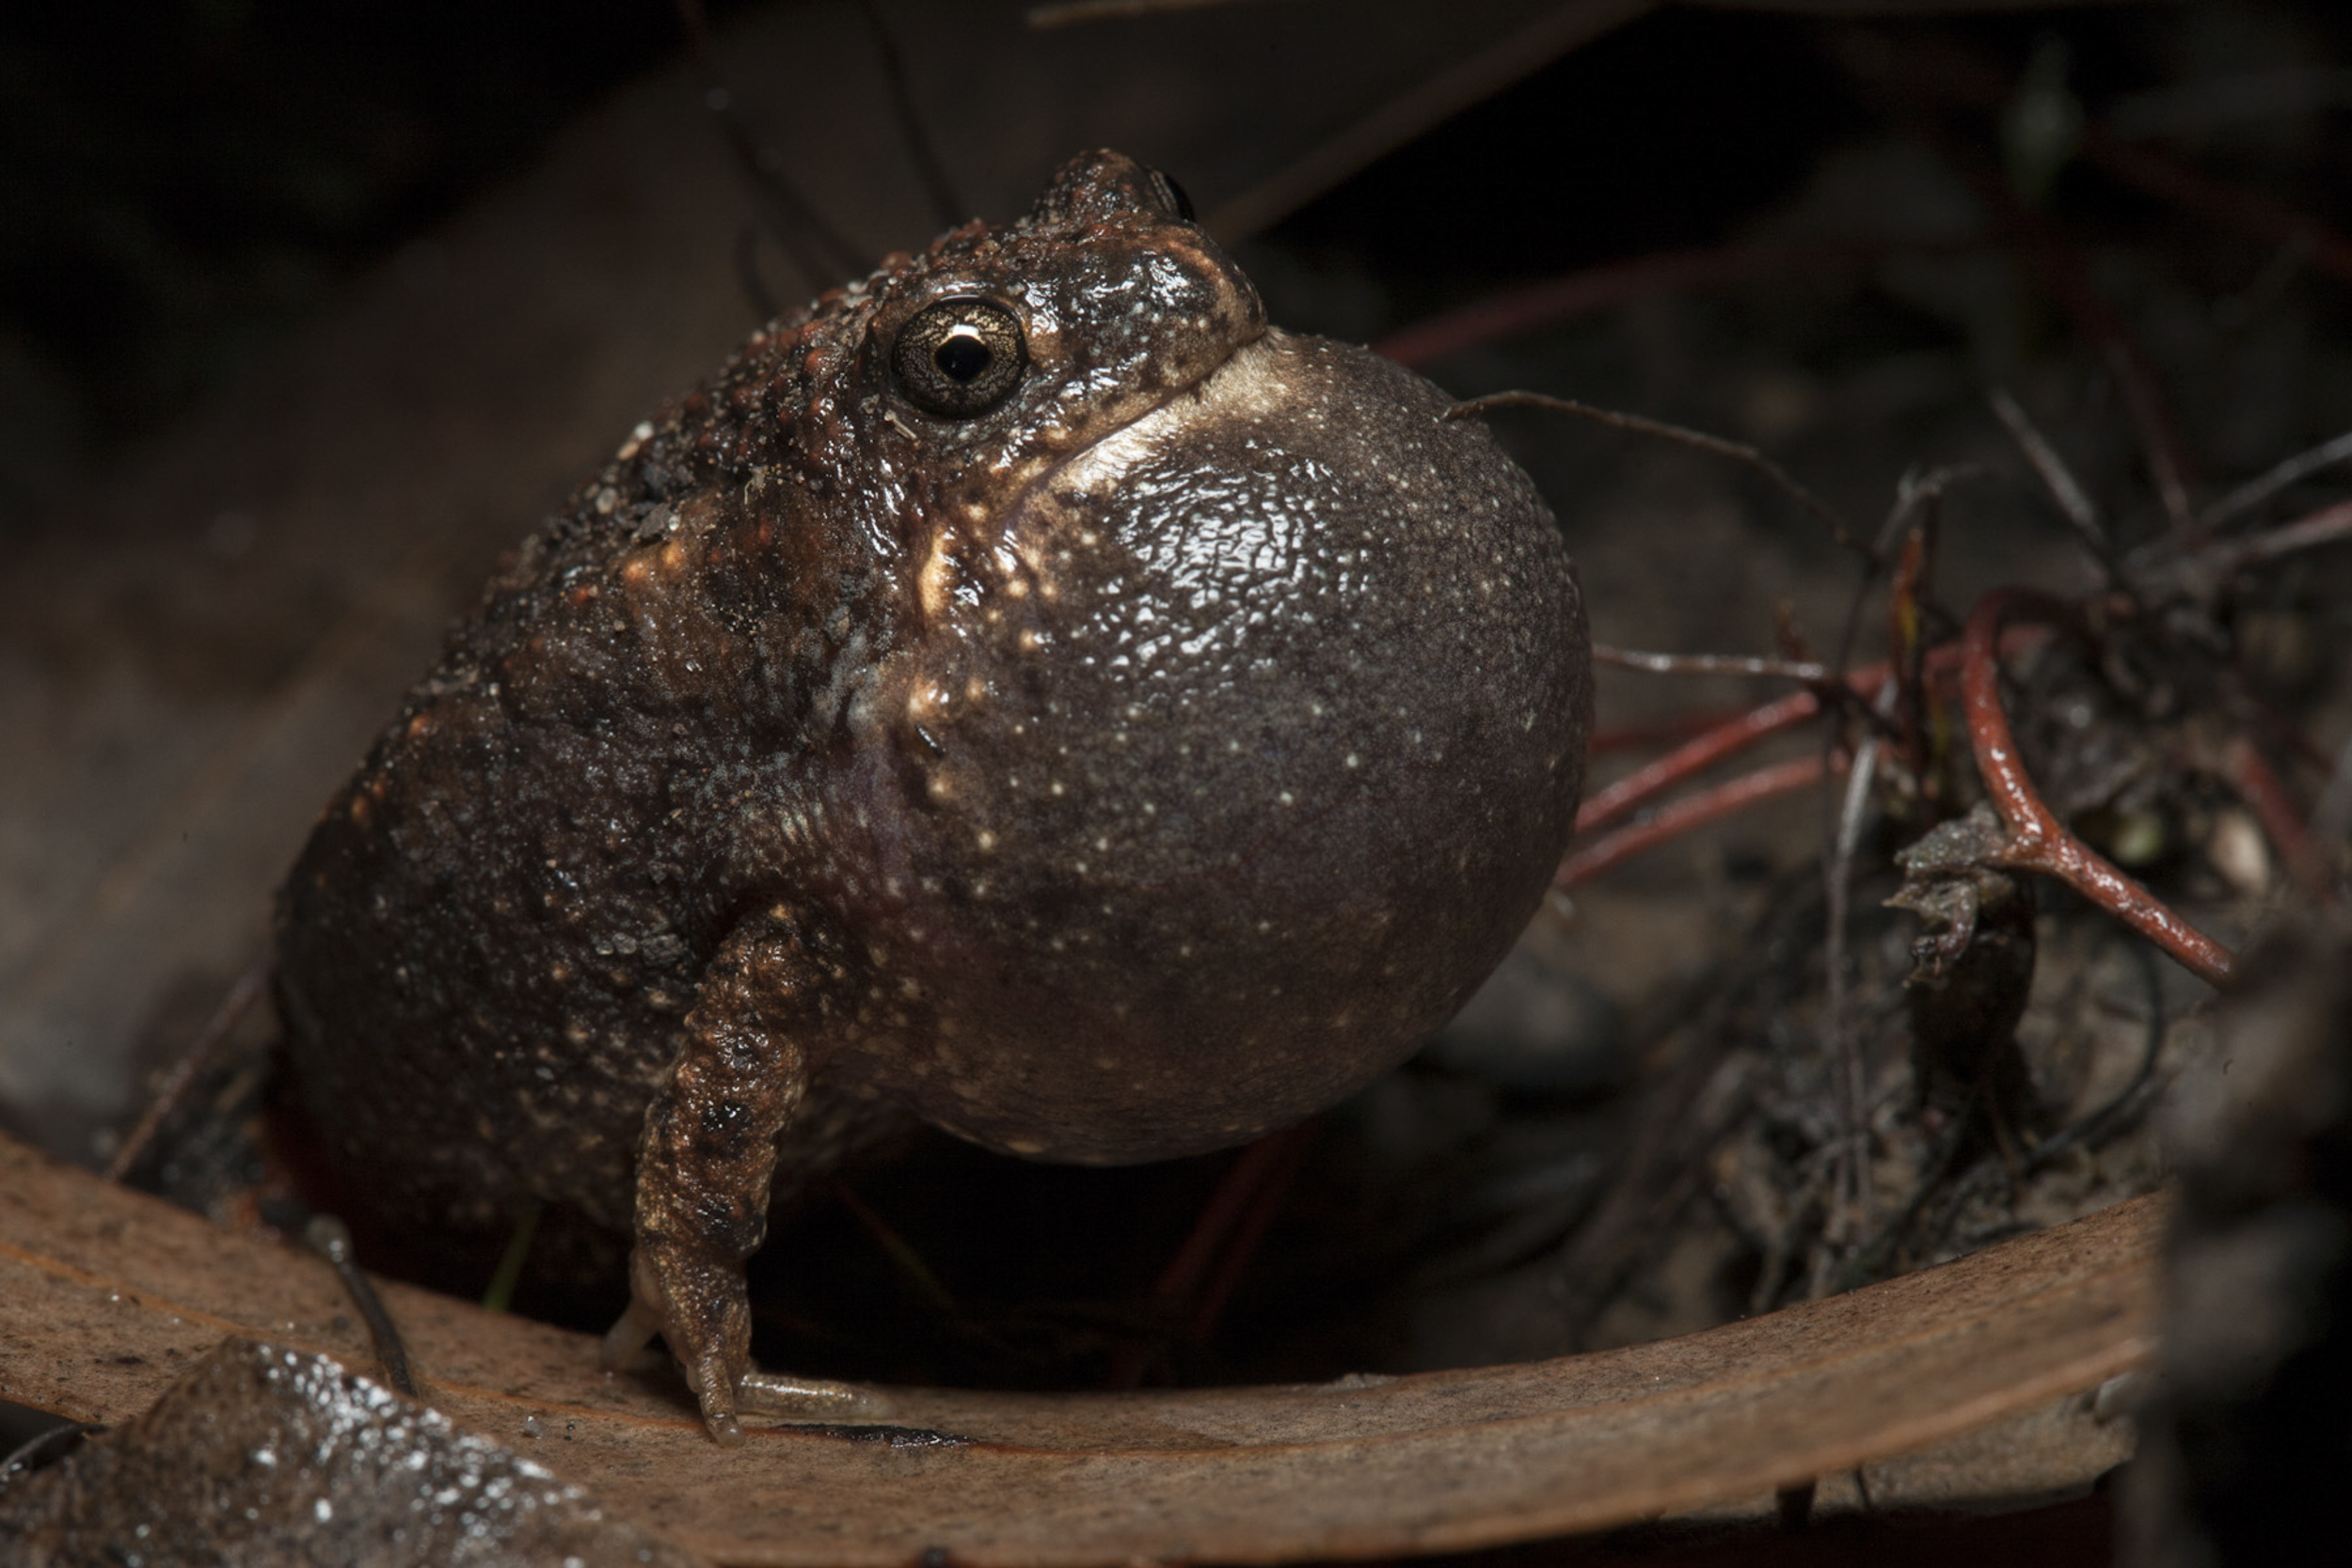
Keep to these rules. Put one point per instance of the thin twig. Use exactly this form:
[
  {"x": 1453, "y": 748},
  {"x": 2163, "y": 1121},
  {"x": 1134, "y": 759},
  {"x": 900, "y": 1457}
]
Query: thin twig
[
  {"x": 1850, "y": 1201},
  {"x": 2283, "y": 732},
  {"x": 1905, "y": 656},
  {"x": 2162, "y": 443},
  {"x": 2063, "y": 272},
  {"x": 903, "y": 1254},
  {"x": 2171, "y": 179},
  {"x": 1871, "y": 1256},
  {"x": 1661, "y": 732},
  {"x": 2073, "y": 503},
  {"x": 1976, "y": 83},
  {"x": 2257, "y": 785},
  {"x": 66, "y": 1437},
  {"x": 2038, "y": 841},
  {"x": 1523, "y": 309},
  {"x": 2260, "y": 488},
  {"x": 2200, "y": 574},
  {"x": 1290, "y": 1147},
  {"x": 1691, "y": 811},
  {"x": 2098, "y": 1122},
  {"x": 1230, "y": 1211},
  {"x": 1065, "y": 13},
  {"x": 1708, "y": 664},
  {"x": 1806, "y": 501},
  {"x": 500, "y": 1295},
  {"x": 2330, "y": 830},
  {"x": 1915, "y": 494},
  {"x": 2058, "y": 262},
  {"x": 1837, "y": 885},
  {"x": 948, "y": 207},
  {"x": 823, "y": 256},
  {"x": 1680, "y": 1114},
  {"x": 764, "y": 305},
  {"x": 327, "y": 1236},
  {"x": 2331, "y": 818},
  {"x": 242, "y": 993},
  {"x": 1724, "y": 737},
  {"x": 2328, "y": 525},
  {"x": 1621, "y": 797}
]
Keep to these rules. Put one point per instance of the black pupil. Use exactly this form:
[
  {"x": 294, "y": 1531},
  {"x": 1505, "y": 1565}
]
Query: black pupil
[{"x": 962, "y": 357}]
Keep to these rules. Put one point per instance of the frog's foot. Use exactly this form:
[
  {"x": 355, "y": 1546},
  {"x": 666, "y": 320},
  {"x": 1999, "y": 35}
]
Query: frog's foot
[
  {"x": 774, "y": 1394},
  {"x": 701, "y": 1312},
  {"x": 628, "y": 1344}
]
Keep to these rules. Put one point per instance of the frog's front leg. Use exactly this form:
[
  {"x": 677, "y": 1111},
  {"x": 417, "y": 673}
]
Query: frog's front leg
[{"x": 704, "y": 1169}]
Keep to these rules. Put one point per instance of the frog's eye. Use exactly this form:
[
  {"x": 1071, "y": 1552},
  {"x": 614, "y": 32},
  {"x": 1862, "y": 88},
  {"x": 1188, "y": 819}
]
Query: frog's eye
[{"x": 960, "y": 357}]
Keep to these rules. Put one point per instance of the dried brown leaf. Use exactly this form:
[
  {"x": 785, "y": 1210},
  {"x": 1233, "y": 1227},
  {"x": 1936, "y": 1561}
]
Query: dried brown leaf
[{"x": 106, "y": 1297}]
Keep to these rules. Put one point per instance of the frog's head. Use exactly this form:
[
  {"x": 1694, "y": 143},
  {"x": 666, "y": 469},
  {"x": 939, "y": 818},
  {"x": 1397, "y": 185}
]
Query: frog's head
[
  {"x": 1239, "y": 703},
  {"x": 937, "y": 393}
]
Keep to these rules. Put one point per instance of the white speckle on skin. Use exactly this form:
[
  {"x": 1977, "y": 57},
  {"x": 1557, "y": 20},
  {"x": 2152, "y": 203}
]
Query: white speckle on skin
[{"x": 933, "y": 582}]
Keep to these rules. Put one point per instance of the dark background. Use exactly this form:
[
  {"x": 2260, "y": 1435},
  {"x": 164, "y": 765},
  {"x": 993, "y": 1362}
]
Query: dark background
[{"x": 183, "y": 183}]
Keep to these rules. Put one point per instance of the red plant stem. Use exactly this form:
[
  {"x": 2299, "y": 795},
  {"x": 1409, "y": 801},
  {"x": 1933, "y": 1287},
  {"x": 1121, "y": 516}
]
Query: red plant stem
[
  {"x": 1624, "y": 797},
  {"x": 1290, "y": 1148},
  {"x": 242, "y": 993},
  {"x": 1691, "y": 811},
  {"x": 2330, "y": 525},
  {"x": 1908, "y": 660},
  {"x": 1657, "y": 732},
  {"x": 2038, "y": 841},
  {"x": 1517, "y": 311},
  {"x": 1621, "y": 797},
  {"x": 1225, "y": 1207},
  {"x": 1974, "y": 83},
  {"x": 1742, "y": 730},
  {"x": 2169, "y": 179},
  {"x": 1739, "y": 732},
  {"x": 1253, "y": 1169},
  {"x": 2259, "y": 785},
  {"x": 2060, "y": 263},
  {"x": 2283, "y": 732}
]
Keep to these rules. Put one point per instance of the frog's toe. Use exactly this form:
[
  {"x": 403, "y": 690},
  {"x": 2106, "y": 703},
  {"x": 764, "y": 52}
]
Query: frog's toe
[
  {"x": 628, "y": 1344},
  {"x": 774, "y": 1394},
  {"x": 714, "y": 1383}
]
